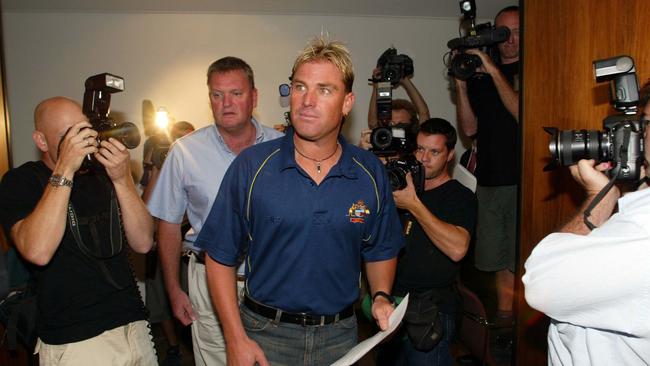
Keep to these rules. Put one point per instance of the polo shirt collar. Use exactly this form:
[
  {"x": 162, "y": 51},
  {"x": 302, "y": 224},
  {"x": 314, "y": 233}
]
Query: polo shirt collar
[
  {"x": 344, "y": 167},
  {"x": 259, "y": 133}
]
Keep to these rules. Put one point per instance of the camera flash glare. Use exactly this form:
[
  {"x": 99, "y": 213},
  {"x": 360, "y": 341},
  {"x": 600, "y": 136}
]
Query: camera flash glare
[{"x": 162, "y": 118}]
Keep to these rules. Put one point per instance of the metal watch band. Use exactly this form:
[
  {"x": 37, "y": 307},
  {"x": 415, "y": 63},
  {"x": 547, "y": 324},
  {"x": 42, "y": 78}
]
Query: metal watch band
[{"x": 58, "y": 180}]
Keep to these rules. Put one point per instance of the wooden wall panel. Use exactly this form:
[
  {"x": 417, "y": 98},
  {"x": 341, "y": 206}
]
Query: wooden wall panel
[
  {"x": 560, "y": 40},
  {"x": 5, "y": 150}
]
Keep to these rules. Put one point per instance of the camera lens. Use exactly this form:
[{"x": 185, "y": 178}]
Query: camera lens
[
  {"x": 569, "y": 146},
  {"x": 396, "y": 177},
  {"x": 463, "y": 66},
  {"x": 391, "y": 74},
  {"x": 127, "y": 133},
  {"x": 381, "y": 138}
]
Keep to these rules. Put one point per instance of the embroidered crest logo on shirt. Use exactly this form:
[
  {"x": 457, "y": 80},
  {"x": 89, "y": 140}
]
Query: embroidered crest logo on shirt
[{"x": 358, "y": 212}]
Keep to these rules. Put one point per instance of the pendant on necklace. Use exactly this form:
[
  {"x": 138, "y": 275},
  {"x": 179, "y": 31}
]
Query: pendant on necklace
[{"x": 318, "y": 167}]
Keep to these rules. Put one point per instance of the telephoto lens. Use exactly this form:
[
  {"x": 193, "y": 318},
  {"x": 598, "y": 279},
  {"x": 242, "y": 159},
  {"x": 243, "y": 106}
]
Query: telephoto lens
[{"x": 567, "y": 147}]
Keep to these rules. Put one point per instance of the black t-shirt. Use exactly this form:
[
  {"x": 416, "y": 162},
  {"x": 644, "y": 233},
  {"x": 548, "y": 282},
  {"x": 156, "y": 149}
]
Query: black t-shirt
[
  {"x": 421, "y": 265},
  {"x": 498, "y": 130},
  {"x": 76, "y": 300}
]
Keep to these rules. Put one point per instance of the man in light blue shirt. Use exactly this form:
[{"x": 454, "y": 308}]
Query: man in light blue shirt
[{"x": 189, "y": 182}]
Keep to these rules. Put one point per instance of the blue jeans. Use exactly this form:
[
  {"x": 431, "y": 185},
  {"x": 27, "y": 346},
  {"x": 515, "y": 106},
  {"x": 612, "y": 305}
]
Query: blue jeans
[
  {"x": 292, "y": 344},
  {"x": 400, "y": 351}
]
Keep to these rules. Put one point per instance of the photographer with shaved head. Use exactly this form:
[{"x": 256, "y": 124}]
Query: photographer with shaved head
[{"x": 74, "y": 224}]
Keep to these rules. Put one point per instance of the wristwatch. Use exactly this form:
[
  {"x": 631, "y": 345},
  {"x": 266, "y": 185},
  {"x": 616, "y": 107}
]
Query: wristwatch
[
  {"x": 58, "y": 180},
  {"x": 388, "y": 297}
]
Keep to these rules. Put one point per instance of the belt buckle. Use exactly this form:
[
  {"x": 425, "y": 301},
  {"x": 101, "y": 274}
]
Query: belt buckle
[{"x": 303, "y": 318}]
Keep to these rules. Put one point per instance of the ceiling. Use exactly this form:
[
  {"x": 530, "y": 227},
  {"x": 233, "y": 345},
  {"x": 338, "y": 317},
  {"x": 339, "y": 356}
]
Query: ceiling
[{"x": 407, "y": 8}]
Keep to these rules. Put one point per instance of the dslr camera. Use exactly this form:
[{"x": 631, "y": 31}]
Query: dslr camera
[
  {"x": 398, "y": 168},
  {"x": 482, "y": 36},
  {"x": 399, "y": 139},
  {"x": 621, "y": 140},
  {"x": 394, "y": 67},
  {"x": 96, "y": 106}
]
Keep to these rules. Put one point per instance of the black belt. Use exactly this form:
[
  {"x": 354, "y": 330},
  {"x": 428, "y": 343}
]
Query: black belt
[{"x": 296, "y": 318}]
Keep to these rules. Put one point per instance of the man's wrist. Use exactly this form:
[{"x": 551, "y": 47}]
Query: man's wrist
[
  {"x": 384, "y": 295},
  {"x": 58, "y": 180}
]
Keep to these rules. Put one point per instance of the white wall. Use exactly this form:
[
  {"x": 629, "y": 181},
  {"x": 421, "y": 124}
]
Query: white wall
[{"x": 163, "y": 58}]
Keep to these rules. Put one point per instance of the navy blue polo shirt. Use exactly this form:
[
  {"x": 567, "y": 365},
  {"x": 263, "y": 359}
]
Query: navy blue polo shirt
[{"x": 303, "y": 243}]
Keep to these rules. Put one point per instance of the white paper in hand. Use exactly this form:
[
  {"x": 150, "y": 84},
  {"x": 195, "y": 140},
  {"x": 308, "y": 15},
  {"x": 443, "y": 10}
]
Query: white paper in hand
[{"x": 364, "y": 347}]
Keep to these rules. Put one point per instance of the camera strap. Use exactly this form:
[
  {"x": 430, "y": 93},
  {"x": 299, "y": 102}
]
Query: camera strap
[
  {"x": 115, "y": 237},
  {"x": 623, "y": 163},
  {"x": 597, "y": 199}
]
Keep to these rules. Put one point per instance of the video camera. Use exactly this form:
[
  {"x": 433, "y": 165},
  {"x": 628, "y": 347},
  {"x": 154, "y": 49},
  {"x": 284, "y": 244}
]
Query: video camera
[
  {"x": 96, "y": 106},
  {"x": 483, "y": 36},
  {"x": 621, "y": 140}
]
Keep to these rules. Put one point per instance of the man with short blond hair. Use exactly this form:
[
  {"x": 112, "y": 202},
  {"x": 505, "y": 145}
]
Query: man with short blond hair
[{"x": 304, "y": 212}]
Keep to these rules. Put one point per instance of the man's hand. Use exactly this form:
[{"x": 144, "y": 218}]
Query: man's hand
[
  {"x": 591, "y": 176},
  {"x": 115, "y": 157},
  {"x": 77, "y": 143},
  {"x": 364, "y": 140},
  {"x": 245, "y": 353},
  {"x": 407, "y": 197},
  {"x": 376, "y": 75},
  {"x": 487, "y": 66},
  {"x": 381, "y": 311},
  {"x": 182, "y": 307}
]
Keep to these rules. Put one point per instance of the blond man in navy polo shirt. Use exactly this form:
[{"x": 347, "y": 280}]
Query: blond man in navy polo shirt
[{"x": 304, "y": 212}]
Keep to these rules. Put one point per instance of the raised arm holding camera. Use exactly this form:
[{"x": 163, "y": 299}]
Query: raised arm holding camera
[
  {"x": 592, "y": 276},
  {"x": 73, "y": 221},
  {"x": 416, "y": 112},
  {"x": 487, "y": 104},
  {"x": 392, "y": 71}
]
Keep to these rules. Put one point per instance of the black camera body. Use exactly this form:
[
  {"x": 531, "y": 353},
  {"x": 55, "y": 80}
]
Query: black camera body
[
  {"x": 394, "y": 67},
  {"x": 399, "y": 140},
  {"x": 96, "y": 106},
  {"x": 398, "y": 168},
  {"x": 621, "y": 141},
  {"x": 393, "y": 140},
  {"x": 483, "y": 36}
]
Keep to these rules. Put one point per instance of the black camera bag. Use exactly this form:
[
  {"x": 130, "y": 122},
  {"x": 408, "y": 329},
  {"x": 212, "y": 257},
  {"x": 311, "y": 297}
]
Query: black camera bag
[
  {"x": 19, "y": 314},
  {"x": 422, "y": 321}
]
